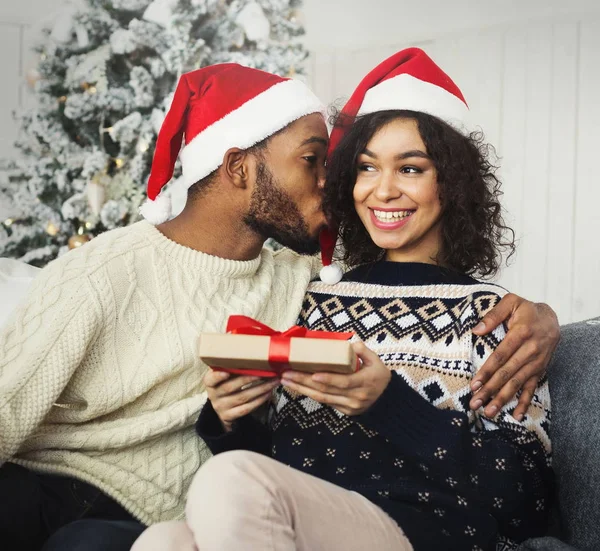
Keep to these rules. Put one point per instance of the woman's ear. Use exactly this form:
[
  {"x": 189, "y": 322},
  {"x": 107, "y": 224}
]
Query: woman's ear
[{"x": 235, "y": 167}]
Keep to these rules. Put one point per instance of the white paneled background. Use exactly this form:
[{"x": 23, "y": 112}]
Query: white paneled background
[{"x": 530, "y": 70}]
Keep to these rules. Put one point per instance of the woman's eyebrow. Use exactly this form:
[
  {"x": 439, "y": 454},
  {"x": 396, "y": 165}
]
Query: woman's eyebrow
[
  {"x": 412, "y": 153},
  {"x": 400, "y": 156}
]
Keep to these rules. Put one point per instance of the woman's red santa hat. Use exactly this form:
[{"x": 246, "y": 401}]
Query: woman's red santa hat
[
  {"x": 408, "y": 80},
  {"x": 214, "y": 109}
]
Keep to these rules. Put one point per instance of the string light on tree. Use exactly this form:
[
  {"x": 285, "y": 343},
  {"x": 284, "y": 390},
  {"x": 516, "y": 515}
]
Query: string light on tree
[
  {"x": 9, "y": 222},
  {"x": 77, "y": 240},
  {"x": 51, "y": 229}
]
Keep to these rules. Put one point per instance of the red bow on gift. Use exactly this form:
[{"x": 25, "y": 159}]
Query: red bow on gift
[{"x": 279, "y": 346}]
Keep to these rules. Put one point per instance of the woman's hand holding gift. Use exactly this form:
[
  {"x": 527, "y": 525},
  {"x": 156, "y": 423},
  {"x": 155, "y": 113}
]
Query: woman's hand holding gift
[
  {"x": 350, "y": 394},
  {"x": 235, "y": 396}
]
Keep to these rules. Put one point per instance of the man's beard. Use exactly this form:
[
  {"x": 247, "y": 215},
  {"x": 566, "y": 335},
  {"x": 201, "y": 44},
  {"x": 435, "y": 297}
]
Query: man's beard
[{"x": 273, "y": 213}]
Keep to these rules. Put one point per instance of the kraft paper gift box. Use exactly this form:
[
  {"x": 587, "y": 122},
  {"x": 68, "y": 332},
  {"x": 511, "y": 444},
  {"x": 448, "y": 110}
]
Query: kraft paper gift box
[{"x": 267, "y": 355}]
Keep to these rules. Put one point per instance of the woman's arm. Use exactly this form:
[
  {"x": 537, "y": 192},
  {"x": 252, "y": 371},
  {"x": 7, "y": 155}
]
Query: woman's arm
[
  {"x": 247, "y": 433},
  {"x": 501, "y": 466},
  {"x": 226, "y": 422}
]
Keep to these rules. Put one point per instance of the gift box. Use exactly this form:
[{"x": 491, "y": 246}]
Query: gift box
[{"x": 252, "y": 348}]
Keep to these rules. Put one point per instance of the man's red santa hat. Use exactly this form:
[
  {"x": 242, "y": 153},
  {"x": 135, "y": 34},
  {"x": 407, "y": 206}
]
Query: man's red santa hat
[
  {"x": 408, "y": 80},
  {"x": 214, "y": 109}
]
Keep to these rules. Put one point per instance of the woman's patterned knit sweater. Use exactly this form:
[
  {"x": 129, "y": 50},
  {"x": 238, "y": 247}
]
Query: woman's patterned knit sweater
[{"x": 451, "y": 478}]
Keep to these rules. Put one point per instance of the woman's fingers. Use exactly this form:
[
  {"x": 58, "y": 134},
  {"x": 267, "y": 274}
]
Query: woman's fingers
[
  {"x": 318, "y": 395},
  {"x": 238, "y": 384},
  {"x": 213, "y": 378},
  {"x": 231, "y": 415},
  {"x": 327, "y": 383},
  {"x": 235, "y": 399}
]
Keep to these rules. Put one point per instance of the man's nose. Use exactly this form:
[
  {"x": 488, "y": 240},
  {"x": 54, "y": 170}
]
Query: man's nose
[{"x": 321, "y": 178}]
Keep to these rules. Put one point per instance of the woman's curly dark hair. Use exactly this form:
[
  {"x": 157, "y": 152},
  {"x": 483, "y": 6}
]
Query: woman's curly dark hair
[{"x": 474, "y": 234}]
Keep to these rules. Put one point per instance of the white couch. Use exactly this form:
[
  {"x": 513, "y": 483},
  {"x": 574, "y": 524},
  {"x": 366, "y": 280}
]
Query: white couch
[{"x": 15, "y": 279}]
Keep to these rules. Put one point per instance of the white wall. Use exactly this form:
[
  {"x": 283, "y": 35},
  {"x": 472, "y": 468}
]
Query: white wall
[{"x": 530, "y": 70}]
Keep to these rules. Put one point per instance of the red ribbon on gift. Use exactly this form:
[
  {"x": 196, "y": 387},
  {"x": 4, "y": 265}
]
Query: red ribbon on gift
[{"x": 280, "y": 343}]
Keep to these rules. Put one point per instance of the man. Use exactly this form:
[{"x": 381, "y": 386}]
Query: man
[{"x": 100, "y": 384}]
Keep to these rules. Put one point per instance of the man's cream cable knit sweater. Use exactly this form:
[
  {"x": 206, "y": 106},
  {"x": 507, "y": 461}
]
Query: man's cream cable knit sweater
[{"x": 99, "y": 376}]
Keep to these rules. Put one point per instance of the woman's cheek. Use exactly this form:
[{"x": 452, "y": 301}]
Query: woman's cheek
[{"x": 360, "y": 191}]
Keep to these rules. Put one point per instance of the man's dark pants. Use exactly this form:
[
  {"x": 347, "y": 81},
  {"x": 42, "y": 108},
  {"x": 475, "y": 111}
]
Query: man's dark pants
[
  {"x": 96, "y": 535},
  {"x": 35, "y": 506}
]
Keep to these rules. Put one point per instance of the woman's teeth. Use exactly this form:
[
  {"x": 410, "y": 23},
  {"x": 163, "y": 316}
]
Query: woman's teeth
[{"x": 391, "y": 216}]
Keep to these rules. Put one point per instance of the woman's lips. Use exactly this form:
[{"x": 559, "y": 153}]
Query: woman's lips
[{"x": 392, "y": 224}]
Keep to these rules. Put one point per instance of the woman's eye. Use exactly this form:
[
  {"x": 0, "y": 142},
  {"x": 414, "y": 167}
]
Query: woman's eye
[
  {"x": 312, "y": 159},
  {"x": 410, "y": 170},
  {"x": 366, "y": 168}
]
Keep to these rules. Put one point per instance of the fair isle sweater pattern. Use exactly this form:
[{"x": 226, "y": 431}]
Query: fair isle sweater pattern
[{"x": 450, "y": 477}]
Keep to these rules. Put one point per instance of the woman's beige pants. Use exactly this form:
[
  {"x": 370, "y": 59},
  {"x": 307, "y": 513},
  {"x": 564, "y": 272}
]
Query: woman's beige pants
[{"x": 245, "y": 501}]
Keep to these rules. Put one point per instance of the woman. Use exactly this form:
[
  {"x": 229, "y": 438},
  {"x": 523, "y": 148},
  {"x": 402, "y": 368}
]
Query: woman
[{"x": 390, "y": 457}]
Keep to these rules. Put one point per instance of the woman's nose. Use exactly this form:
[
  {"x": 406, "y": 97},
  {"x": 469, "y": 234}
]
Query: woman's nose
[{"x": 386, "y": 188}]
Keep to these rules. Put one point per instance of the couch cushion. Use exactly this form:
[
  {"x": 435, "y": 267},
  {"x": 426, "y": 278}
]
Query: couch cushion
[
  {"x": 546, "y": 544},
  {"x": 574, "y": 376},
  {"x": 15, "y": 278}
]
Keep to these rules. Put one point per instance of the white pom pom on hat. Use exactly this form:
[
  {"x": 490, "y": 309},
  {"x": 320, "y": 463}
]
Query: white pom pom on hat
[
  {"x": 157, "y": 211},
  {"x": 330, "y": 273}
]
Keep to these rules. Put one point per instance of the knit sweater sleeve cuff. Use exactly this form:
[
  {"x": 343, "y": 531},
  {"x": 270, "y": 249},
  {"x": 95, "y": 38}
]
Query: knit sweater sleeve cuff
[
  {"x": 247, "y": 433},
  {"x": 406, "y": 418}
]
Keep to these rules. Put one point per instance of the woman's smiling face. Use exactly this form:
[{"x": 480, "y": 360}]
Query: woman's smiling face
[{"x": 396, "y": 194}]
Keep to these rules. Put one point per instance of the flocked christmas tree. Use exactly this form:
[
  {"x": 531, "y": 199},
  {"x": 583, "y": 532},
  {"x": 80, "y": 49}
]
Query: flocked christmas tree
[{"x": 106, "y": 73}]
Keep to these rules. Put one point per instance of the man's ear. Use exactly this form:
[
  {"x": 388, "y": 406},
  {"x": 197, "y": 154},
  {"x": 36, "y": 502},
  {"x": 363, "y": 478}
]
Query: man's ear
[{"x": 235, "y": 167}]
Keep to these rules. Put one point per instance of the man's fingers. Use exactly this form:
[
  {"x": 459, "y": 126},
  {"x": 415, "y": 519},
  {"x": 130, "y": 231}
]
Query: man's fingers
[
  {"x": 513, "y": 341},
  {"x": 508, "y": 392},
  {"x": 498, "y": 314},
  {"x": 526, "y": 398},
  {"x": 509, "y": 389},
  {"x": 511, "y": 376}
]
